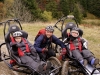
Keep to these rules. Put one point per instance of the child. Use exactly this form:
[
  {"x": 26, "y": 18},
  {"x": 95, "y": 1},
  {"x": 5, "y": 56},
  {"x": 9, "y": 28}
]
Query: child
[
  {"x": 27, "y": 53},
  {"x": 78, "y": 48}
]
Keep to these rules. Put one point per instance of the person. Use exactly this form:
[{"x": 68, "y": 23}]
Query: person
[
  {"x": 43, "y": 42},
  {"x": 27, "y": 53},
  {"x": 79, "y": 49}
]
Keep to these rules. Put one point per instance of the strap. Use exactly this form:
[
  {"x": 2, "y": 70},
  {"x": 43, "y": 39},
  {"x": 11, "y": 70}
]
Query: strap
[
  {"x": 12, "y": 39},
  {"x": 27, "y": 47},
  {"x": 80, "y": 45},
  {"x": 72, "y": 47}
]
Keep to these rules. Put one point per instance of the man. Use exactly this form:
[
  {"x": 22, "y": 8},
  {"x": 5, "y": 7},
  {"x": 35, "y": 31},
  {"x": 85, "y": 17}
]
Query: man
[{"x": 43, "y": 41}]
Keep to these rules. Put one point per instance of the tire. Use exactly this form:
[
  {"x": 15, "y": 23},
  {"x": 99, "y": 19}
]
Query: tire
[
  {"x": 56, "y": 63},
  {"x": 65, "y": 68}
]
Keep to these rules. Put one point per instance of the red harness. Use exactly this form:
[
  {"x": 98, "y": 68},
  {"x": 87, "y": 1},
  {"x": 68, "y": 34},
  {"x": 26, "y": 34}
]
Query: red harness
[
  {"x": 20, "y": 52},
  {"x": 72, "y": 46}
]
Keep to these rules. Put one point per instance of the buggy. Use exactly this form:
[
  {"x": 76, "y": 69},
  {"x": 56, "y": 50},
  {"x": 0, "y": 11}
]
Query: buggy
[
  {"x": 19, "y": 67},
  {"x": 71, "y": 66}
]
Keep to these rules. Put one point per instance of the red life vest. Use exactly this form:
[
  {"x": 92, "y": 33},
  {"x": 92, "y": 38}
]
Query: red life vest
[
  {"x": 20, "y": 52},
  {"x": 72, "y": 46}
]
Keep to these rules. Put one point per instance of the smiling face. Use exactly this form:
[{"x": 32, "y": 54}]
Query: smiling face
[
  {"x": 18, "y": 39},
  {"x": 74, "y": 33},
  {"x": 49, "y": 34}
]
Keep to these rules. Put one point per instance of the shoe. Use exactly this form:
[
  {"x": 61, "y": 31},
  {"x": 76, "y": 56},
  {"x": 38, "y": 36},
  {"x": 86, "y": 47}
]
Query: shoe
[
  {"x": 85, "y": 62},
  {"x": 47, "y": 66},
  {"x": 96, "y": 62},
  {"x": 40, "y": 69}
]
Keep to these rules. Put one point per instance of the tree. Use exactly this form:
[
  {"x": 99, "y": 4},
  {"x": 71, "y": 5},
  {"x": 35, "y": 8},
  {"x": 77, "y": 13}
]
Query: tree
[
  {"x": 64, "y": 7},
  {"x": 71, "y": 4},
  {"x": 94, "y": 7},
  {"x": 1, "y": 10},
  {"x": 52, "y": 6},
  {"x": 33, "y": 8},
  {"x": 1, "y": 0},
  {"x": 77, "y": 15}
]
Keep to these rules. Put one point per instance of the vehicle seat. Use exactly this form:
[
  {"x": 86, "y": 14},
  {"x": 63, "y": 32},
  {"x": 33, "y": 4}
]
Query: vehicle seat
[
  {"x": 8, "y": 40},
  {"x": 69, "y": 26}
]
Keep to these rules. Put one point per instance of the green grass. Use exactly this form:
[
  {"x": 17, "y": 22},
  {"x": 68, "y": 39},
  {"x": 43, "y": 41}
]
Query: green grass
[{"x": 92, "y": 22}]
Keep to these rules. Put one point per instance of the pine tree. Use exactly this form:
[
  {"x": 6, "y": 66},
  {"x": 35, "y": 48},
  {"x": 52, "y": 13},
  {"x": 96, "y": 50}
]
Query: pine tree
[
  {"x": 71, "y": 4},
  {"x": 94, "y": 7},
  {"x": 64, "y": 7},
  {"x": 52, "y": 6},
  {"x": 77, "y": 15},
  {"x": 33, "y": 7},
  {"x": 1, "y": 0}
]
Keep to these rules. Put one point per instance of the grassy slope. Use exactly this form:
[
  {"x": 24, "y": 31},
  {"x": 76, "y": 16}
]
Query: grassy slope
[{"x": 92, "y": 34}]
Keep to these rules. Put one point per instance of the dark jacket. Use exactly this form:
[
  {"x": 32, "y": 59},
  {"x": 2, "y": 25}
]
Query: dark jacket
[
  {"x": 42, "y": 41},
  {"x": 22, "y": 46}
]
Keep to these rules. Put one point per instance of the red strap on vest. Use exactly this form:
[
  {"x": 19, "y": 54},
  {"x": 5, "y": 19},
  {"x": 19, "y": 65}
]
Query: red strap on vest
[
  {"x": 20, "y": 52},
  {"x": 27, "y": 47},
  {"x": 72, "y": 47}
]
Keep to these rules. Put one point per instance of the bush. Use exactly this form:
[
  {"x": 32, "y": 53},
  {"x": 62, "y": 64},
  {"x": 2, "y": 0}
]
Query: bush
[{"x": 46, "y": 16}]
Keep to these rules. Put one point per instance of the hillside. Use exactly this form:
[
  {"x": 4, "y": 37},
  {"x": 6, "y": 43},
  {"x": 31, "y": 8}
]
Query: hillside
[{"x": 47, "y": 10}]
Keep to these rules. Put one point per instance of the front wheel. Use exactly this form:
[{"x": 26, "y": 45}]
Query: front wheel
[
  {"x": 65, "y": 68},
  {"x": 56, "y": 64}
]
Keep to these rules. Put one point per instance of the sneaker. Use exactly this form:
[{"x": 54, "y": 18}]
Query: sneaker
[
  {"x": 47, "y": 66},
  {"x": 85, "y": 62},
  {"x": 40, "y": 69},
  {"x": 96, "y": 62}
]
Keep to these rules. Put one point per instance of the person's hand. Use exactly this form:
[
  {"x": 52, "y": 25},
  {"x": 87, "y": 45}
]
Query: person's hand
[
  {"x": 63, "y": 53},
  {"x": 44, "y": 50},
  {"x": 62, "y": 57},
  {"x": 13, "y": 44}
]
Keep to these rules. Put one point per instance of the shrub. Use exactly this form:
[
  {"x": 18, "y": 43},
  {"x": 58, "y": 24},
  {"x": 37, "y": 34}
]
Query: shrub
[{"x": 46, "y": 16}]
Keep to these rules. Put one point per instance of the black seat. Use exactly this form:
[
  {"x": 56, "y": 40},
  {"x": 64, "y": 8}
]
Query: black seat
[
  {"x": 80, "y": 32},
  {"x": 69, "y": 26},
  {"x": 8, "y": 40}
]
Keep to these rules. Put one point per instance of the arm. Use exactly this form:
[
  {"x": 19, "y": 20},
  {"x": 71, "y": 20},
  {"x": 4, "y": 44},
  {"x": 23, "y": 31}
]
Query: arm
[
  {"x": 38, "y": 42},
  {"x": 84, "y": 43},
  {"x": 57, "y": 41},
  {"x": 12, "y": 44}
]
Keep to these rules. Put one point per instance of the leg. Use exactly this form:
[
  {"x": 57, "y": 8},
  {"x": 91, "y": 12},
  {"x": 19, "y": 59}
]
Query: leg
[
  {"x": 42, "y": 56},
  {"x": 77, "y": 55},
  {"x": 28, "y": 61},
  {"x": 89, "y": 56},
  {"x": 50, "y": 53}
]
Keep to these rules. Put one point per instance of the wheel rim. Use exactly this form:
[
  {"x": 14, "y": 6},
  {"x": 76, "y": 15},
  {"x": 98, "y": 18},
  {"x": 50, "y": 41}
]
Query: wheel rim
[
  {"x": 55, "y": 63},
  {"x": 65, "y": 68}
]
